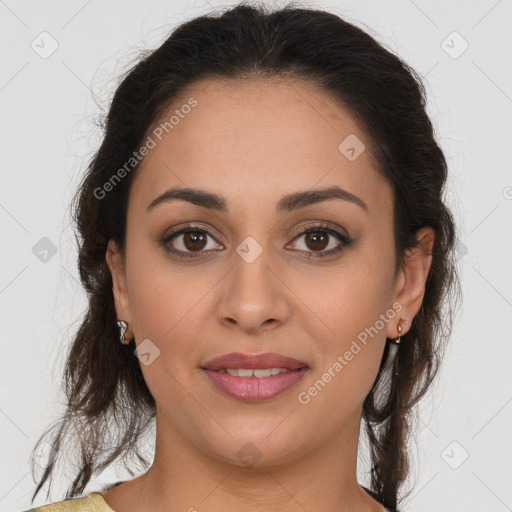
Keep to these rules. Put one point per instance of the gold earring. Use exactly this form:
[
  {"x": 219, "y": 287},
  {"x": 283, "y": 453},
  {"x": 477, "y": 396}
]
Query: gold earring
[
  {"x": 396, "y": 341},
  {"x": 123, "y": 326}
]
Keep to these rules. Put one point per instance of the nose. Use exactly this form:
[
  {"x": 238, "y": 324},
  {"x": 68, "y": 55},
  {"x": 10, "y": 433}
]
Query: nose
[{"x": 253, "y": 296}]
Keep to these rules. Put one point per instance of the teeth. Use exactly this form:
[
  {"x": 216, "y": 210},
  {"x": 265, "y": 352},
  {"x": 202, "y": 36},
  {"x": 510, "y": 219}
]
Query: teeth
[
  {"x": 259, "y": 373},
  {"x": 263, "y": 373},
  {"x": 244, "y": 372}
]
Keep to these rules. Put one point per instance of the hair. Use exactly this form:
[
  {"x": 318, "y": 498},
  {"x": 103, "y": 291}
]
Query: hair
[{"x": 103, "y": 378}]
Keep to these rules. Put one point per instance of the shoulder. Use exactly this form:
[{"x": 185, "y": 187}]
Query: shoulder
[
  {"x": 375, "y": 496},
  {"x": 93, "y": 502}
]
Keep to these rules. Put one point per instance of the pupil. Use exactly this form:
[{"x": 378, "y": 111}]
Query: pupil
[
  {"x": 317, "y": 239},
  {"x": 195, "y": 237}
]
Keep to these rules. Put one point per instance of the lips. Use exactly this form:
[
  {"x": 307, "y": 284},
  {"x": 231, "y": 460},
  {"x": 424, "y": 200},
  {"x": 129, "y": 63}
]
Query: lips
[
  {"x": 231, "y": 374},
  {"x": 256, "y": 362}
]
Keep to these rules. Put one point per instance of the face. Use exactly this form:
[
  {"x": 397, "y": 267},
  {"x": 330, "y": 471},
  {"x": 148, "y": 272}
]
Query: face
[{"x": 208, "y": 276}]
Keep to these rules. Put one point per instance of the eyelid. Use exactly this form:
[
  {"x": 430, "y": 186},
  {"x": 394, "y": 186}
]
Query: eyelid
[
  {"x": 181, "y": 230},
  {"x": 323, "y": 225},
  {"x": 192, "y": 226},
  {"x": 336, "y": 232}
]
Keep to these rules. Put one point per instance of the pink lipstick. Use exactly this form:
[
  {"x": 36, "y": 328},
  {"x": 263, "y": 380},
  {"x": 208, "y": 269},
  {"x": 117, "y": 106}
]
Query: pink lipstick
[{"x": 254, "y": 378}]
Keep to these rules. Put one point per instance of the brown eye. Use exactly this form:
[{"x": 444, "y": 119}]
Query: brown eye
[
  {"x": 317, "y": 240},
  {"x": 194, "y": 240},
  {"x": 190, "y": 242}
]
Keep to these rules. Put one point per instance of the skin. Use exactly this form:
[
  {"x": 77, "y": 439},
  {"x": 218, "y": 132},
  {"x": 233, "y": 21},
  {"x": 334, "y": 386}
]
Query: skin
[{"x": 252, "y": 143}]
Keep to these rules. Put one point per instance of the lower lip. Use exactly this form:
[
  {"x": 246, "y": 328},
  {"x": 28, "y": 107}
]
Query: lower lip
[{"x": 252, "y": 389}]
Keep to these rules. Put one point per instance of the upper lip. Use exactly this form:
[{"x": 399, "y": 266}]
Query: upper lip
[{"x": 255, "y": 361}]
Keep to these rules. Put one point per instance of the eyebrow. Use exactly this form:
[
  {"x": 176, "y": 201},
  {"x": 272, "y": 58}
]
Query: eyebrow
[{"x": 287, "y": 203}]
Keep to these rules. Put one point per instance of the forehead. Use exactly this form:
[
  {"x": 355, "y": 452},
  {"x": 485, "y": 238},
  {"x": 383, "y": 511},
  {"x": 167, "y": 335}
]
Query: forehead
[{"x": 259, "y": 138}]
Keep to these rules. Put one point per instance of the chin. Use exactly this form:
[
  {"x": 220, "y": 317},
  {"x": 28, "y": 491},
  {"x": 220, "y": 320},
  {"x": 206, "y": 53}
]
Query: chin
[{"x": 256, "y": 448}]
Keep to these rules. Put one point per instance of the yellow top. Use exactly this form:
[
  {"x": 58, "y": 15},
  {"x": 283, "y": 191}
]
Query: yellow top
[{"x": 93, "y": 502}]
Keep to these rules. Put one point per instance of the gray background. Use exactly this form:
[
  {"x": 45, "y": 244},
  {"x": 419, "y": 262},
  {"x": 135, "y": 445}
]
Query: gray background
[{"x": 49, "y": 104}]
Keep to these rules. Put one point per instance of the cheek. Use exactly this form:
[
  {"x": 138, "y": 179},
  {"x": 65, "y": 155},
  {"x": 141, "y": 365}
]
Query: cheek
[
  {"x": 164, "y": 301},
  {"x": 349, "y": 355},
  {"x": 353, "y": 303},
  {"x": 349, "y": 298},
  {"x": 165, "y": 307}
]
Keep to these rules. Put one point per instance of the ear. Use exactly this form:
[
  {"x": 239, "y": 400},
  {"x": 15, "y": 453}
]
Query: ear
[
  {"x": 410, "y": 283},
  {"x": 116, "y": 265}
]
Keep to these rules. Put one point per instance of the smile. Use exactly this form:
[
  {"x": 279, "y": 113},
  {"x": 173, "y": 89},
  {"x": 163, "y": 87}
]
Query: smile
[{"x": 254, "y": 378}]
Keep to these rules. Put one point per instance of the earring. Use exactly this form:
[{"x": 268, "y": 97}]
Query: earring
[
  {"x": 396, "y": 341},
  {"x": 123, "y": 326}
]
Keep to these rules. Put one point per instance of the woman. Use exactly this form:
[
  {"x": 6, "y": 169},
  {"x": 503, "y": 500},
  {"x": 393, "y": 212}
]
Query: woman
[{"x": 267, "y": 255}]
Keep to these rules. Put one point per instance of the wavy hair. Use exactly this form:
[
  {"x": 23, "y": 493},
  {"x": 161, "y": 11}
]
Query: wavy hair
[{"x": 109, "y": 406}]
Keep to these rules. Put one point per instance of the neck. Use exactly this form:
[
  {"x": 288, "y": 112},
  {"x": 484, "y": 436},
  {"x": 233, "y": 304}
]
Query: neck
[{"x": 183, "y": 477}]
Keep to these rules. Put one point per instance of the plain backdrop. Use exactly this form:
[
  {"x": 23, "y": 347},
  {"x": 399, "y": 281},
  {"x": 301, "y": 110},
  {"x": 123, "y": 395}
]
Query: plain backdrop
[{"x": 59, "y": 67}]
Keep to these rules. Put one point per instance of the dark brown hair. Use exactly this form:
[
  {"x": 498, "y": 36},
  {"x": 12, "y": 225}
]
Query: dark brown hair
[{"x": 109, "y": 406}]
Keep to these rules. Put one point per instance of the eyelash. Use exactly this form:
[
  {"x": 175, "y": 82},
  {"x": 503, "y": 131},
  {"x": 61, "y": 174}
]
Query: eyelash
[{"x": 324, "y": 228}]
